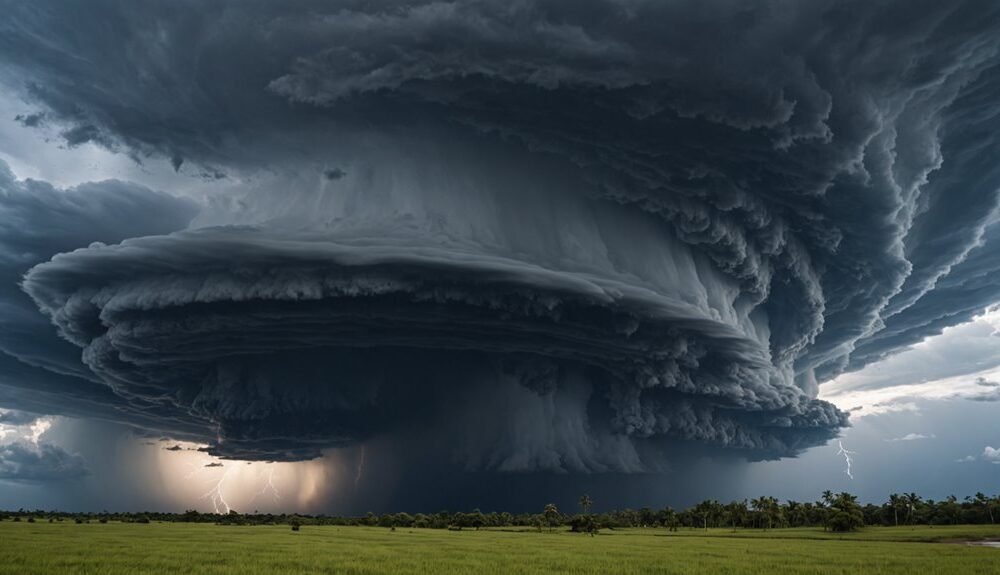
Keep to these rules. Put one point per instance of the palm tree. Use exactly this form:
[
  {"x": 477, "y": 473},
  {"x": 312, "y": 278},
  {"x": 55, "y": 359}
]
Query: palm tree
[
  {"x": 912, "y": 501},
  {"x": 774, "y": 514},
  {"x": 668, "y": 517},
  {"x": 585, "y": 503},
  {"x": 759, "y": 506},
  {"x": 895, "y": 500},
  {"x": 737, "y": 512}
]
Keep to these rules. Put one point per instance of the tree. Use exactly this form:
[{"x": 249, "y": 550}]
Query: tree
[
  {"x": 551, "y": 515},
  {"x": 759, "y": 506},
  {"x": 585, "y": 503},
  {"x": 984, "y": 501},
  {"x": 668, "y": 518},
  {"x": 828, "y": 498},
  {"x": 912, "y": 502},
  {"x": 709, "y": 512},
  {"x": 584, "y": 524},
  {"x": 736, "y": 511},
  {"x": 475, "y": 519},
  {"x": 895, "y": 500},
  {"x": 797, "y": 513},
  {"x": 845, "y": 513},
  {"x": 951, "y": 509},
  {"x": 775, "y": 517}
]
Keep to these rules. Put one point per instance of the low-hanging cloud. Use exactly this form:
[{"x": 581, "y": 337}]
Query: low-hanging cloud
[
  {"x": 43, "y": 462},
  {"x": 564, "y": 234}
]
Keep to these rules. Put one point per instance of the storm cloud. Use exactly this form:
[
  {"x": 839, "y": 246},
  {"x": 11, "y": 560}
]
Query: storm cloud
[
  {"x": 43, "y": 462},
  {"x": 563, "y": 236}
]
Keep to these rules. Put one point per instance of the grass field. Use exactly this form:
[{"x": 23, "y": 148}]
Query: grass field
[{"x": 112, "y": 549}]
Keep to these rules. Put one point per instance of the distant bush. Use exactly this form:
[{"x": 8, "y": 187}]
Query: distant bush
[
  {"x": 295, "y": 523},
  {"x": 79, "y": 520},
  {"x": 17, "y": 519},
  {"x": 103, "y": 519},
  {"x": 142, "y": 519},
  {"x": 31, "y": 519},
  {"x": 584, "y": 524}
]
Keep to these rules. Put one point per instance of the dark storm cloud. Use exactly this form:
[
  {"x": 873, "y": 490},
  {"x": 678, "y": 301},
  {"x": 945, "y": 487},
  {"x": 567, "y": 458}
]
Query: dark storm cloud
[
  {"x": 430, "y": 315},
  {"x": 43, "y": 462},
  {"x": 568, "y": 233},
  {"x": 964, "y": 291},
  {"x": 29, "y": 120},
  {"x": 40, "y": 372}
]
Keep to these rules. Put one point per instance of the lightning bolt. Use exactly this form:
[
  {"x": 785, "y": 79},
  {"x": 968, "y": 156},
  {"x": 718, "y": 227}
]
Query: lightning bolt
[
  {"x": 235, "y": 481},
  {"x": 847, "y": 457},
  {"x": 361, "y": 467},
  {"x": 216, "y": 496},
  {"x": 269, "y": 486}
]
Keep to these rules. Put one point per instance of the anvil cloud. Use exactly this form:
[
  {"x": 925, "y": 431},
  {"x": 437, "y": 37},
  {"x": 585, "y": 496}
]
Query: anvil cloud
[{"x": 568, "y": 236}]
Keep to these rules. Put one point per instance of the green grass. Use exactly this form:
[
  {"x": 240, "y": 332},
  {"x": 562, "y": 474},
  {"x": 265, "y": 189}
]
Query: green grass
[{"x": 111, "y": 549}]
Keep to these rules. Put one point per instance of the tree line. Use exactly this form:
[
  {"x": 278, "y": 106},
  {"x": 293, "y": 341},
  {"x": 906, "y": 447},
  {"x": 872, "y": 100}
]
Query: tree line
[{"x": 837, "y": 512}]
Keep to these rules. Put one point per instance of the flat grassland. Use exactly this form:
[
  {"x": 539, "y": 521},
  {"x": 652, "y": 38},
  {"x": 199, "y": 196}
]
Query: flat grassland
[{"x": 116, "y": 548}]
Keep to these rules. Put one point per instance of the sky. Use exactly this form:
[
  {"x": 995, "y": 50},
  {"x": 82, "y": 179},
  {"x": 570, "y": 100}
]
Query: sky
[{"x": 341, "y": 256}]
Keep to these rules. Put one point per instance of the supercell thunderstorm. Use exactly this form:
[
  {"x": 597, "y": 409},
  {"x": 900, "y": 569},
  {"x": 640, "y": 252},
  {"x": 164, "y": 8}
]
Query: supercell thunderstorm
[{"x": 569, "y": 236}]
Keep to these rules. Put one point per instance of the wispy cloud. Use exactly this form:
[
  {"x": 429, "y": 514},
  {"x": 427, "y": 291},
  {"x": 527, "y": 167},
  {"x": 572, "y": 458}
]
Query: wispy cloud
[{"x": 912, "y": 437}]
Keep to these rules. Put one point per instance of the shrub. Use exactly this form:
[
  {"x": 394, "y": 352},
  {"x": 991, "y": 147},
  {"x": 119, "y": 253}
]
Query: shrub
[
  {"x": 584, "y": 524},
  {"x": 31, "y": 519},
  {"x": 142, "y": 519}
]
